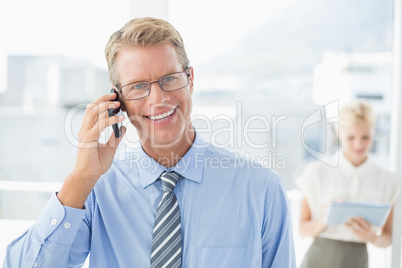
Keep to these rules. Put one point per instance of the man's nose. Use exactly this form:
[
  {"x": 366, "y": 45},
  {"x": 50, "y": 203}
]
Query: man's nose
[{"x": 157, "y": 94}]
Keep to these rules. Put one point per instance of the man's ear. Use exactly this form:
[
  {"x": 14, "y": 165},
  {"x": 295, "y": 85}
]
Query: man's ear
[
  {"x": 191, "y": 79},
  {"x": 122, "y": 105}
]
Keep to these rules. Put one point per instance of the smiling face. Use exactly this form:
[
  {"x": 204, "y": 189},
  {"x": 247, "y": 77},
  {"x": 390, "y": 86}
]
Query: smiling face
[
  {"x": 356, "y": 141},
  {"x": 162, "y": 119}
]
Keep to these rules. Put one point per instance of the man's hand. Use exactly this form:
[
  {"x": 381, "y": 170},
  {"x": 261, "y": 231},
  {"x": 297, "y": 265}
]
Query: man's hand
[
  {"x": 362, "y": 229},
  {"x": 93, "y": 158}
]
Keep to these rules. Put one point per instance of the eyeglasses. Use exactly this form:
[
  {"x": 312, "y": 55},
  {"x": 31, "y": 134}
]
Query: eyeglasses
[{"x": 170, "y": 82}]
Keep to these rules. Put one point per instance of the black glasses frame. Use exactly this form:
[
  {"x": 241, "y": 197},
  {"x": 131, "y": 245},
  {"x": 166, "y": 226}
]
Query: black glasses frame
[{"x": 150, "y": 83}]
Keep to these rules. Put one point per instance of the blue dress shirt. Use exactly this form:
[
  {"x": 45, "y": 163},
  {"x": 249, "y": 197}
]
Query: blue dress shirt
[{"x": 234, "y": 214}]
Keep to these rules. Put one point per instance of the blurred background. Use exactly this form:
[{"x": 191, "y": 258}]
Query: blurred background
[{"x": 266, "y": 67}]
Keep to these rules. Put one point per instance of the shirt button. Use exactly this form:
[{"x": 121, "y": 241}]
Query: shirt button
[
  {"x": 35, "y": 264},
  {"x": 67, "y": 225},
  {"x": 53, "y": 221}
]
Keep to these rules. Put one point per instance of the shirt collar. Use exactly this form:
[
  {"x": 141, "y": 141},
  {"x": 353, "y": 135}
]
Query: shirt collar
[
  {"x": 349, "y": 169},
  {"x": 190, "y": 166}
]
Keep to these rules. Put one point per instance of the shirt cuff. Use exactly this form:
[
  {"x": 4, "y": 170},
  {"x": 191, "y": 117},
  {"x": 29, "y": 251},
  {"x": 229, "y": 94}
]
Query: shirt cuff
[{"x": 58, "y": 223}]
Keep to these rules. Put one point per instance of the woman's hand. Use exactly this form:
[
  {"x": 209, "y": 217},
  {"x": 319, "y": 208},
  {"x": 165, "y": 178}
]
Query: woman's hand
[
  {"x": 308, "y": 226},
  {"x": 362, "y": 229}
]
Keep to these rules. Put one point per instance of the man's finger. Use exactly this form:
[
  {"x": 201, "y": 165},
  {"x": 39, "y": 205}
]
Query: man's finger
[
  {"x": 108, "y": 121},
  {"x": 103, "y": 109},
  {"x": 93, "y": 105},
  {"x": 113, "y": 141}
]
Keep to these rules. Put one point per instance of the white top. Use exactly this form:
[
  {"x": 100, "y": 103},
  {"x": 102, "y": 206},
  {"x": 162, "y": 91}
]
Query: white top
[{"x": 321, "y": 183}]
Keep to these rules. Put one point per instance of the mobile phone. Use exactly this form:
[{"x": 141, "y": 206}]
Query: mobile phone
[{"x": 113, "y": 112}]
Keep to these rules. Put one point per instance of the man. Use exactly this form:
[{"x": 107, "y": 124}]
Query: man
[{"x": 183, "y": 210}]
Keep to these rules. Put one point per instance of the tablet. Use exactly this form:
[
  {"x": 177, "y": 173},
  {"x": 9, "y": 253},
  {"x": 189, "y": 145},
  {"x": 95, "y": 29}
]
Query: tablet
[{"x": 339, "y": 212}]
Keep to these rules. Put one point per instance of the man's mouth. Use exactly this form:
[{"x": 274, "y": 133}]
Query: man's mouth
[{"x": 161, "y": 117}]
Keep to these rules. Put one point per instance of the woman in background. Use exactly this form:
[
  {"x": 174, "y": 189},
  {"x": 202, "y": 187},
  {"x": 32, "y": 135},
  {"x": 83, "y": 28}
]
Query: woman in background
[{"x": 357, "y": 178}]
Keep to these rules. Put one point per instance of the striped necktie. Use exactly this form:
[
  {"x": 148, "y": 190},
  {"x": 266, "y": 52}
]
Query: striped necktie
[{"x": 166, "y": 242}]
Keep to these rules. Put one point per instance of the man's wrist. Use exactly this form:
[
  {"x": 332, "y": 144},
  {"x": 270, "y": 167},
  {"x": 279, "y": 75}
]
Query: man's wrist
[{"x": 75, "y": 191}]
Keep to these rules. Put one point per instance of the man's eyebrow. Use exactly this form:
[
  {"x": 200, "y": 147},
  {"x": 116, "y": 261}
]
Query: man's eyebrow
[
  {"x": 131, "y": 81},
  {"x": 135, "y": 80}
]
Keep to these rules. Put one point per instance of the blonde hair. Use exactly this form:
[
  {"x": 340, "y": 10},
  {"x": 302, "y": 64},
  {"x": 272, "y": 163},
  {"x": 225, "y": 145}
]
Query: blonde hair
[
  {"x": 356, "y": 112},
  {"x": 141, "y": 33}
]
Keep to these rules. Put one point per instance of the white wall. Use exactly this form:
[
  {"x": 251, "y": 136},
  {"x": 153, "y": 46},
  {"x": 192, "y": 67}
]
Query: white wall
[{"x": 396, "y": 132}]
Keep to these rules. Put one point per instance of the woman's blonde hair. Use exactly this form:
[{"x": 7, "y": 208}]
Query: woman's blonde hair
[
  {"x": 140, "y": 33},
  {"x": 356, "y": 112}
]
